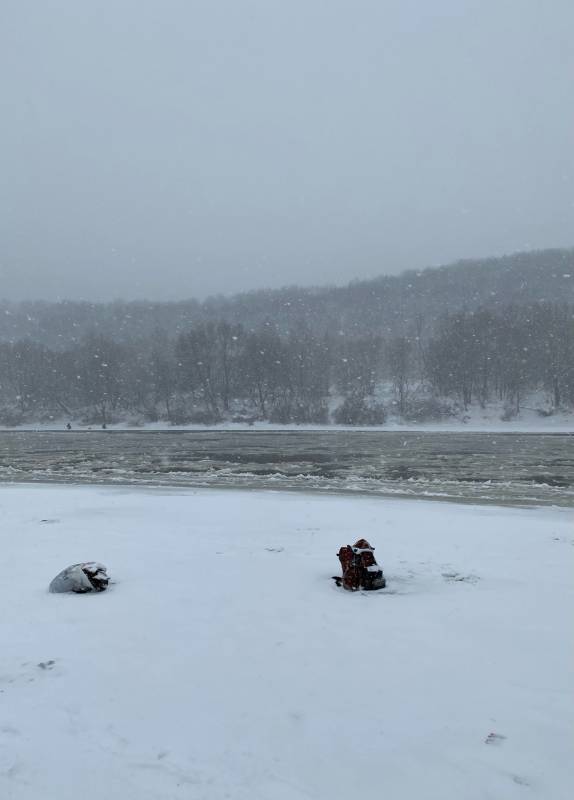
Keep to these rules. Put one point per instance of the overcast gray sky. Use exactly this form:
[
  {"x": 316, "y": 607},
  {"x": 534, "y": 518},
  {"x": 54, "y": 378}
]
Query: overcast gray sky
[{"x": 176, "y": 148}]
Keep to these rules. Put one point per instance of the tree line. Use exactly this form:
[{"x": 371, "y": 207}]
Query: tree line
[{"x": 219, "y": 370}]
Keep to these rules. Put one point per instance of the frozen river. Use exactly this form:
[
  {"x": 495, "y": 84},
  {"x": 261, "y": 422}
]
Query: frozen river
[{"x": 509, "y": 469}]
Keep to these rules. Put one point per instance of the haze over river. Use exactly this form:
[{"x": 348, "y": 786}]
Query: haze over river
[{"x": 508, "y": 469}]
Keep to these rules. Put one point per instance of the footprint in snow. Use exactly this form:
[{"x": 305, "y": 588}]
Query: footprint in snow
[
  {"x": 495, "y": 738},
  {"x": 456, "y": 577},
  {"x": 520, "y": 780},
  {"x": 8, "y": 730},
  {"x": 27, "y": 675}
]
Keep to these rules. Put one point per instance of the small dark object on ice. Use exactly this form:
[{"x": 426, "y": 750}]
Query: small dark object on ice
[
  {"x": 360, "y": 569},
  {"x": 89, "y": 576},
  {"x": 46, "y": 664}
]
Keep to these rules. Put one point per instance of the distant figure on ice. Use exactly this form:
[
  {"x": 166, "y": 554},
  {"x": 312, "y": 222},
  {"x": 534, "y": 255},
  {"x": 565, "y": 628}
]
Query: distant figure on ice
[
  {"x": 360, "y": 569},
  {"x": 81, "y": 578},
  {"x": 69, "y": 426}
]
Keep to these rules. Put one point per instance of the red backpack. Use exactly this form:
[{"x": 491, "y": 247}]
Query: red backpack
[{"x": 360, "y": 569}]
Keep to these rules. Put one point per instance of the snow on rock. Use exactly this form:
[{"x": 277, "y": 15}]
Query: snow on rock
[
  {"x": 89, "y": 576},
  {"x": 241, "y": 671}
]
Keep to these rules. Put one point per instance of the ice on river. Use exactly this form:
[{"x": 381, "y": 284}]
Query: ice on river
[
  {"x": 478, "y": 468},
  {"x": 224, "y": 663}
]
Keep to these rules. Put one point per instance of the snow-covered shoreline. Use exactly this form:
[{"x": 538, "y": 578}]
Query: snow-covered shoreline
[
  {"x": 225, "y": 663},
  {"x": 534, "y": 417},
  {"x": 562, "y": 424}
]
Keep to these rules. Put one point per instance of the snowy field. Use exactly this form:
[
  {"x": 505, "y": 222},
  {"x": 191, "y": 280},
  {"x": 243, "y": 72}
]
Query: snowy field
[{"x": 224, "y": 662}]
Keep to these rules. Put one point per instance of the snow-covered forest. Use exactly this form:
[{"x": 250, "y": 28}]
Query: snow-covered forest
[{"x": 421, "y": 346}]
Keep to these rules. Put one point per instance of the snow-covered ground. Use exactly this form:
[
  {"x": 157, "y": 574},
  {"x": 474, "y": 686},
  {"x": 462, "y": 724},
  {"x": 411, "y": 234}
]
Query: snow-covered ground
[
  {"x": 560, "y": 423},
  {"x": 224, "y": 662},
  {"x": 535, "y": 417}
]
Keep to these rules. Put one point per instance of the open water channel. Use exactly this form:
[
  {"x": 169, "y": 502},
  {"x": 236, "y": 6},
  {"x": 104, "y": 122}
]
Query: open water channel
[{"x": 508, "y": 469}]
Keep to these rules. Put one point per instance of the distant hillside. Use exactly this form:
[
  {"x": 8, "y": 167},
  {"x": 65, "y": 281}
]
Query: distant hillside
[{"x": 388, "y": 305}]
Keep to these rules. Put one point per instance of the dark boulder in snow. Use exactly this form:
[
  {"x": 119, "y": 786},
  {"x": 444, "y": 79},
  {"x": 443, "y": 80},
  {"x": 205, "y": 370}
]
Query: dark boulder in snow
[{"x": 81, "y": 578}]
